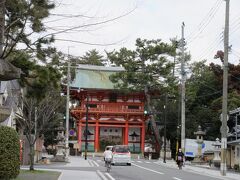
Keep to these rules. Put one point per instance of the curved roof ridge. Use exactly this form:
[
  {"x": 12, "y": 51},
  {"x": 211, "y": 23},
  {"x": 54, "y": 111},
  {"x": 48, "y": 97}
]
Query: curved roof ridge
[{"x": 100, "y": 68}]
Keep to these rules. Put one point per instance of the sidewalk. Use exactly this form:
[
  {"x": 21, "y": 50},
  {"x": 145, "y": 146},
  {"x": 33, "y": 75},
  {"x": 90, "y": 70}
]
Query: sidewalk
[
  {"x": 74, "y": 162},
  {"x": 202, "y": 169}
]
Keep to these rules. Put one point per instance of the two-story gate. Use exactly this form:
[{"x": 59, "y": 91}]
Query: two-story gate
[{"x": 113, "y": 117}]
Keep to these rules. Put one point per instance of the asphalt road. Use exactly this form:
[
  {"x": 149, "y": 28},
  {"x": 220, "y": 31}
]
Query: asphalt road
[
  {"x": 149, "y": 170},
  {"x": 140, "y": 170}
]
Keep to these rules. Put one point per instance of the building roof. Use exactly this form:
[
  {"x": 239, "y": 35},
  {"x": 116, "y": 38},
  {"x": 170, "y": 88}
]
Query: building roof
[
  {"x": 237, "y": 110},
  {"x": 235, "y": 142},
  {"x": 94, "y": 77}
]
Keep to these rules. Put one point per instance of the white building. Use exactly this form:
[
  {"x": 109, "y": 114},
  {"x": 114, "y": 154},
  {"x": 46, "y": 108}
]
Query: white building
[
  {"x": 9, "y": 93},
  {"x": 233, "y": 141},
  {"x": 191, "y": 147}
]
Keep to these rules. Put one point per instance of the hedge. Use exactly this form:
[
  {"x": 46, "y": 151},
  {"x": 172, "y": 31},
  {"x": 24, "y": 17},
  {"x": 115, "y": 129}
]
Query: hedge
[{"x": 9, "y": 153}]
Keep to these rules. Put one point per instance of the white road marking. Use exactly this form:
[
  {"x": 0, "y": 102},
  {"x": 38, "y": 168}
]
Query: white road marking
[
  {"x": 148, "y": 162},
  {"x": 90, "y": 162},
  {"x": 109, "y": 176},
  {"x": 177, "y": 178},
  {"x": 148, "y": 169},
  {"x": 99, "y": 160},
  {"x": 101, "y": 175},
  {"x": 95, "y": 163},
  {"x": 139, "y": 161}
]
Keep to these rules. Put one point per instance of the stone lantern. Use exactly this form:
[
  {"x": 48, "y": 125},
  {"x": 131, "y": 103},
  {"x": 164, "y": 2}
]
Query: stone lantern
[
  {"x": 217, "y": 150},
  {"x": 60, "y": 147},
  {"x": 199, "y": 133}
]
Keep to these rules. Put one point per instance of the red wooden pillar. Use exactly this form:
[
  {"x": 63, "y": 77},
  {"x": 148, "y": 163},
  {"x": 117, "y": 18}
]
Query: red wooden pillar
[
  {"x": 123, "y": 135},
  {"x": 96, "y": 138},
  {"x": 126, "y": 134},
  {"x": 142, "y": 137},
  {"x": 80, "y": 135}
]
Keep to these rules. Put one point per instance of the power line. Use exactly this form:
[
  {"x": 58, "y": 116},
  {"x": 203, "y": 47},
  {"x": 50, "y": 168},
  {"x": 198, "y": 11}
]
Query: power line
[
  {"x": 234, "y": 22},
  {"x": 235, "y": 77},
  {"x": 236, "y": 28},
  {"x": 58, "y": 28},
  {"x": 90, "y": 24},
  {"x": 216, "y": 92},
  {"x": 204, "y": 23},
  {"x": 87, "y": 43},
  {"x": 233, "y": 50},
  {"x": 235, "y": 53},
  {"x": 72, "y": 16},
  {"x": 209, "y": 49}
]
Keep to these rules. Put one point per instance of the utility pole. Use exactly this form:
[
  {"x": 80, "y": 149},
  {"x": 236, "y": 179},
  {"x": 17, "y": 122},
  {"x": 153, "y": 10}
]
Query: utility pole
[
  {"x": 67, "y": 108},
  {"x": 183, "y": 76},
  {"x": 223, "y": 168}
]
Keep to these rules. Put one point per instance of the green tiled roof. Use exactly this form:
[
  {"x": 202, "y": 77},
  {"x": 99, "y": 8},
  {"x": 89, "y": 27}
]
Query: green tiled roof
[{"x": 94, "y": 77}]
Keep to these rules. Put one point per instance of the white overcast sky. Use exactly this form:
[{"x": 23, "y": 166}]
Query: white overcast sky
[{"x": 152, "y": 19}]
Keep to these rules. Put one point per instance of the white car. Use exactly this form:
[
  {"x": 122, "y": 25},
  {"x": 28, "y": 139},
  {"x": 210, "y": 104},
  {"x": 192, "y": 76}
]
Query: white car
[{"x": 121, "y": 155}]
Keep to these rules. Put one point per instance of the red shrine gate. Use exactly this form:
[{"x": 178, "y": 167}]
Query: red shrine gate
[{"x": 112, "y": 117}]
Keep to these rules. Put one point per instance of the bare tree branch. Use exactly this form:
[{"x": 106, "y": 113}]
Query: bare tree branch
[
  {"x": 88, "y": 25},
  {"x": 16, "y": 40},
  {"x": 34, "y": 115}
]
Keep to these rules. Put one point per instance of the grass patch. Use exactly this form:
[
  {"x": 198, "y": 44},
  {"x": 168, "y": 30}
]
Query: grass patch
[{"x": 38, "y": 175}]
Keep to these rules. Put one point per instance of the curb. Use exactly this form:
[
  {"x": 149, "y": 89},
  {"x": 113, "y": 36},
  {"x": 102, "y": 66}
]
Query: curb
[{"x": 60, "y": 177}]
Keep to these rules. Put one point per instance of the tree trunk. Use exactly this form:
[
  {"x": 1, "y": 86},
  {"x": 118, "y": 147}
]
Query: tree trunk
[
  {"x": 2, "y": 23},
  {"x": 7, "y": 70},
  {"x": 31, "y": 156},
  {"x": 152, "y": 120}
]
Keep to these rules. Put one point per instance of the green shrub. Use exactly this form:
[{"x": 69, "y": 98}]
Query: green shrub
[{"x": 9, "y": 153}]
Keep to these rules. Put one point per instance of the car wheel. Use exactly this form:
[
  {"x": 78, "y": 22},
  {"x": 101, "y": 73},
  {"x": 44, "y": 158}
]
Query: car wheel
[{"x": 129, "y": 164}]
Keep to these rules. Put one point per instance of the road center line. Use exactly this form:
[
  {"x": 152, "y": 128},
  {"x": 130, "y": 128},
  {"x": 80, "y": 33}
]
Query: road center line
[
  {"x": 176, "y": 178},
  {"x": 109, "y": 176},
  {"x": 101, "y": 175},
  {"x": 148, "y": 169}
]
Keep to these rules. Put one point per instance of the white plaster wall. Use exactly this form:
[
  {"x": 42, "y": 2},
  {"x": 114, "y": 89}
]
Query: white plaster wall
[{"x": 237, "y": 154}]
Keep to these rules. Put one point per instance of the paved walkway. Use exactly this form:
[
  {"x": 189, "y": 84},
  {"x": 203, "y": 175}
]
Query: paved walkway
[
  {"x": 202, "y": 169},
  {"x": 74, "y": 162},
  {"x": 76, "y": 174}
]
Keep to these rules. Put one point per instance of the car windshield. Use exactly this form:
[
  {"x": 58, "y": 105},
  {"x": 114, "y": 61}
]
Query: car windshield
[{"x": 121, "y": 149}]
